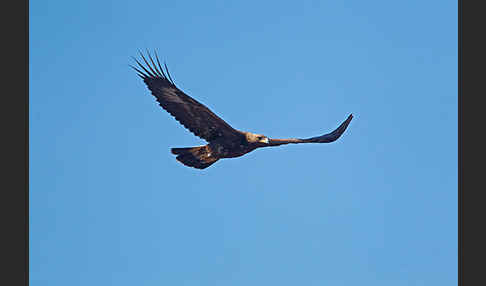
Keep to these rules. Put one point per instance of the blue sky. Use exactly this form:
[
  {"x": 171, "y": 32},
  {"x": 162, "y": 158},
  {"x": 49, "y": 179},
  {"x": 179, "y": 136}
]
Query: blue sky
[{"x": 109, "y": 204}]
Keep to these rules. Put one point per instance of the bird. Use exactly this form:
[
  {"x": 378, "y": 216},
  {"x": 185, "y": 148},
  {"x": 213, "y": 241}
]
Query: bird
[{"x": 223, "y": 140}]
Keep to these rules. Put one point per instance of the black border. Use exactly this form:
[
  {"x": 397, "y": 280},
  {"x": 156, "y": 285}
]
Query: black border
[
  {"x": 14, "y": 120},
  {"x": 471, "y": 201}
]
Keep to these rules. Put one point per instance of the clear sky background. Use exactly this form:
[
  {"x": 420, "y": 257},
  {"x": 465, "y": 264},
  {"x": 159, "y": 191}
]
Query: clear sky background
[{"x": 110, "y": 205}]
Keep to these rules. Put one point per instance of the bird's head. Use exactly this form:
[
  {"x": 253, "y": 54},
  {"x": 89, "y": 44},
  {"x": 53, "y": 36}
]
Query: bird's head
[{"x": 257, "y": 139}]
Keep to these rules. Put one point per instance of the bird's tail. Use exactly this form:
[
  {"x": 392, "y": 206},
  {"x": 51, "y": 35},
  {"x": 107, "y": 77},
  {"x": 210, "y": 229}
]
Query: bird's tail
[{"x": 199, "y": 157}]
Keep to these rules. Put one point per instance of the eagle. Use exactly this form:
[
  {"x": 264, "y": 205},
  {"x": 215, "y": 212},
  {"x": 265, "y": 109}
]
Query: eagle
[{"x": 223, "y": 140}]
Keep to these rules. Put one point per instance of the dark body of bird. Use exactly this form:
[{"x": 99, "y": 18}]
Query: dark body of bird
[{"x": 224, "y": 141}]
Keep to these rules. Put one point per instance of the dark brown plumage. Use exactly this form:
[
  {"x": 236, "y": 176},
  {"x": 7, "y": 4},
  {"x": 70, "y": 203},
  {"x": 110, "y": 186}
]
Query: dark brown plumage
[{"x": 224, "y": 141}]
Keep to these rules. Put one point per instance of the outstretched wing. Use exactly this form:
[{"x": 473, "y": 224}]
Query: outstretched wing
[
  {"x": 193, "y": 115},
  {"x": 326, "y": 138}
]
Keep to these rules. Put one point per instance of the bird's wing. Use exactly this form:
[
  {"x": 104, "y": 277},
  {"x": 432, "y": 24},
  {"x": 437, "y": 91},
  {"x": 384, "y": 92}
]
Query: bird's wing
[
  {"x": 326, "y": 138},
  {"x": 193, "y": 115}
]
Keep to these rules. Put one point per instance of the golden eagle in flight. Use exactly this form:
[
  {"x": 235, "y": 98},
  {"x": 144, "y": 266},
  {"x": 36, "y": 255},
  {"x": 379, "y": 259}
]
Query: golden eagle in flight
[{"x": 224, "y": 141}]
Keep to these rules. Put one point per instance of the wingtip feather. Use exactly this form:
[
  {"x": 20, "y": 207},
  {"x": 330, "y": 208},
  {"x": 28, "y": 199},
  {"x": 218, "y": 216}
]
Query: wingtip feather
[{"x": 153, "y": 70}]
